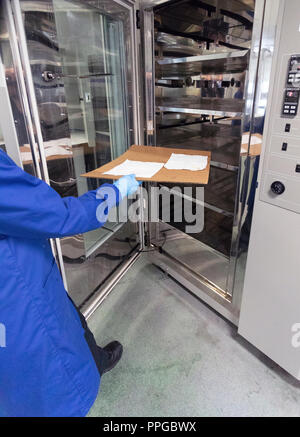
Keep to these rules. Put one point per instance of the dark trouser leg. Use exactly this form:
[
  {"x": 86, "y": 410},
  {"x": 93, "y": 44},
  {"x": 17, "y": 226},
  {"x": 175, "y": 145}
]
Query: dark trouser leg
[{"x": 100, "y": 356}]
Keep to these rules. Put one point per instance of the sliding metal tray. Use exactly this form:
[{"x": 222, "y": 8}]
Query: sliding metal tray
[
  {"x": 216, "y": 63},
  {"x": 202, "y": 106}
]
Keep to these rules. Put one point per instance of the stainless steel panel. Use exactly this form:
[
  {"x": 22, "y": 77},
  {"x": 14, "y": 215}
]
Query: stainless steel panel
[
  {"x": 17, "y": 92},
  {"x": 149, "y": 74},
  {"x": 200, "y": 258},
  {"x": 196, "y": 284},
  {"x": 247, "y": 173}
]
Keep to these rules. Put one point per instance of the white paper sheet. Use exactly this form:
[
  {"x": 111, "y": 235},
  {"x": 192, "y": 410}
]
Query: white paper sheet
[
  {"x": 60, "y": 142},
  {"x": 254, "y": 139},
  {"x": 179, "y": 161},
  {"x": 26, "y": 156},
  {"x": 57, "y": 150},
  {"x": 138, "y": 168},
  {"x": 49, "y": 151}
]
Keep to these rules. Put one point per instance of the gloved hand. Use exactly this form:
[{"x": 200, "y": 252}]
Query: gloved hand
[{"x": 127, "y": 185}]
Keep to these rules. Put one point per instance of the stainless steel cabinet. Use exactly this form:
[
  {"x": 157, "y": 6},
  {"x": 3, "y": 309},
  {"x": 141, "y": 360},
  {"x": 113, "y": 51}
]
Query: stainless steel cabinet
[
  {"x": 192, "y": 74},
  {"x": 207, "y": 72}
]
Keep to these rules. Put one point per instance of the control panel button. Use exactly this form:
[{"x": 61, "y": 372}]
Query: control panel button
[
  {"x": 291, "y": 101},
  {"x": 277, "y": 188}
]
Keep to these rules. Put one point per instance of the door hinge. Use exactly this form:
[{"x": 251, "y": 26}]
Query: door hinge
[{"x": 138, "y": 19}]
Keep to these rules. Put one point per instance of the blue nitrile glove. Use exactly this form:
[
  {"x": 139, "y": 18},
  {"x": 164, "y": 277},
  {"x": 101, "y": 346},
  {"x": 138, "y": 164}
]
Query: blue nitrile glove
[{"x": 127, "y": 185}]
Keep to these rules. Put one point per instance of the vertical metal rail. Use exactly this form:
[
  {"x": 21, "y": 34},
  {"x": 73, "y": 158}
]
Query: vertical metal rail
[
  {"x": 21, "y": 83},
  {"x": 266, "y": 54},
  {"x": 148, "y": 42},
  {"x": 24, "y": 55},
  {"x": 147, "y": 20},
  {"x": 252, "y": 87},
  {"x": 21, "y": 57}
]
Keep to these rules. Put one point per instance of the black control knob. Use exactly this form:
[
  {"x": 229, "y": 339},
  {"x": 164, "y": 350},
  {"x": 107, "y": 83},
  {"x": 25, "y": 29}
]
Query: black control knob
[{"x": 277, "y": 187}]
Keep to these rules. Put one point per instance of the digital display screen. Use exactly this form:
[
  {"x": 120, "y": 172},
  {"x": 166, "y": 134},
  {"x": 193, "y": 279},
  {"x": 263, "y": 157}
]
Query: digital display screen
[
  {"x": 292, "y": 96},
  {"x": 295, "y": 63}
]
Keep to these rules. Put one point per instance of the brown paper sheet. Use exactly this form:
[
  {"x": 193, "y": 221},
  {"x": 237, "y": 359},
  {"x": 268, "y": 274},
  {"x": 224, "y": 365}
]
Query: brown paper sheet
[{"x": 157, "y": 154}]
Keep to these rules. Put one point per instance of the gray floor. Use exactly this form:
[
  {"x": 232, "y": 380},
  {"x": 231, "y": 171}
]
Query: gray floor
[{"x": 181, "y": 358}]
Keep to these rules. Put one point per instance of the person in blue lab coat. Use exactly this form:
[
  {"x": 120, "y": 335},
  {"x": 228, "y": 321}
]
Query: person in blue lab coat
[{"x": 50, "y": 364}]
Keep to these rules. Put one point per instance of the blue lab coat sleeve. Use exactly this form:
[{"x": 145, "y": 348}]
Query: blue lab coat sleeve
[
  {"x": 46, "y": 366},
  {"x": 29, "y": 208}
]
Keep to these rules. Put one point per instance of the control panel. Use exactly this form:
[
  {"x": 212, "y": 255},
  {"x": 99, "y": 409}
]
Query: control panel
[
  {"x": 293, "y": 78},
  {"x": 292, "y": 91},
  {"x": 281, "y": 173}
]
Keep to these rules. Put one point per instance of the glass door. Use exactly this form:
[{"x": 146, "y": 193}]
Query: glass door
[
  {"x": 93, "y": 72},
  {"x": 81, "y": 58},
  {"x": 204, "y": 85}
]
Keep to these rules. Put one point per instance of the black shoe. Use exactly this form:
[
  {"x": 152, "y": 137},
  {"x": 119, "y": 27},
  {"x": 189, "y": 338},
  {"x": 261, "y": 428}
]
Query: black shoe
[{"x": 115, "y": 351}]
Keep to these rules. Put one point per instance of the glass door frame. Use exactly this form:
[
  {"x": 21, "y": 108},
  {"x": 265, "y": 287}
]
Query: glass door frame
[
  {"x": 7, "y": 123},
  {"x": 13, "y": 16},
  {"x": 227, "y": 302}
]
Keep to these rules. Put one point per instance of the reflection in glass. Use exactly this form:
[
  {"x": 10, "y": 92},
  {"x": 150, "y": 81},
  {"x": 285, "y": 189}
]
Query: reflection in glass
[
  {"x": 200, "y": 95},
  {"x": 91, "y": 47},
  {"x": 81, "y": 59},
  {"x": 15, "y": 99}
]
